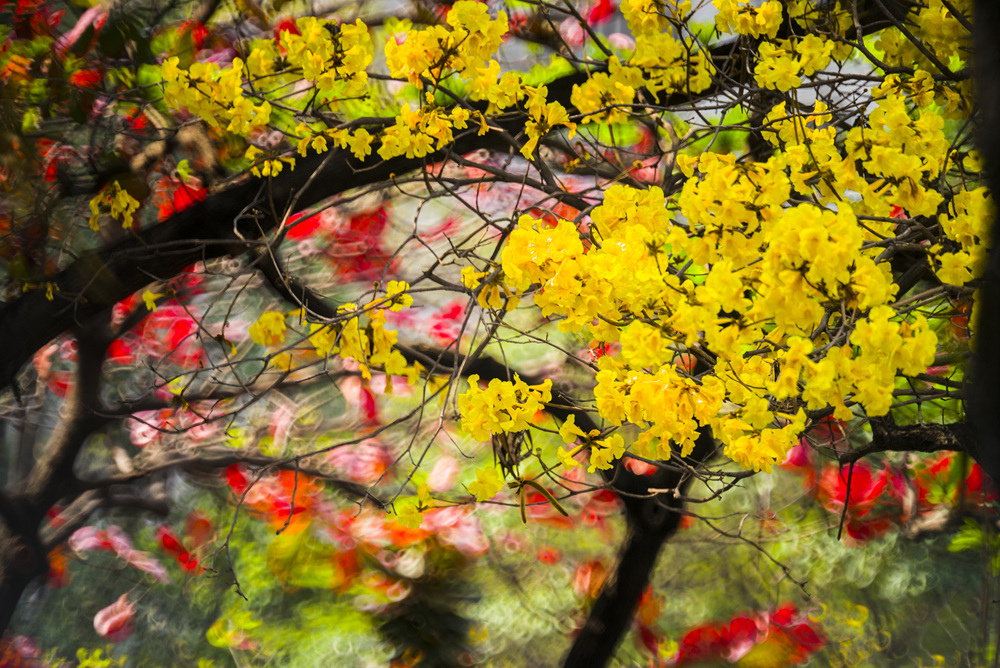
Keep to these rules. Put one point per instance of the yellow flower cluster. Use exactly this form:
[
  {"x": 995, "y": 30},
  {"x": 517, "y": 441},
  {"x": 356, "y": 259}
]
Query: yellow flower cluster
[
  {"x": 487, "y": 483},
  {"x": 333, "y": 58},
  {"x": 674, "y": 405},
  {"x": 604, "y": 452},
  {"x": 814, "y": 15},
  {"x": 435, "y": 52},
  {"x": 502, "y": 91},
  {"x": 809, "y": 259},
  {"x": 649, "y": 17},
  {"x": 117, "y": 201},
  {"x": 671, "y": 65},
  {"x": 269, "y": 329},
  {"x": 936, "y": 29},
  {"x": 215, "y": 95},
  {"x": 266, "y": 167},
  {"x": 765, "y": 273},
  {"x": 542, "y": 118},
  {"x": 729, "y": 203},
  {"x": 502, "y": 406},
  {"x": 782, "y": 63},
  {"x": 361, "y": 336},
  {"x": 494, "y": 294},
  {"x": 905, "y": 152},
  {"x": 968, "y": 224},
  {"x": 885, "y": 347},
  {"x": 742, "y": 18},
  {"x": 606, "y": 92},
  {"x": 419, "y": 132},
  {"x": 776, "y": 267},
  {"x": 364, "y": 339},
  {"x": 658, "y": 63},
  {"x": 923, "y": 91}
]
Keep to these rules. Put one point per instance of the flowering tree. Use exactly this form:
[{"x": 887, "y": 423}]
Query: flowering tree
[{"x": 642, "y": 253}]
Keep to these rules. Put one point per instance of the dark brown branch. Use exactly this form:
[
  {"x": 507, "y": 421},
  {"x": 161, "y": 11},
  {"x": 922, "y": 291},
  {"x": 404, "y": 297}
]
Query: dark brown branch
[{"x": 915, "y": 438}]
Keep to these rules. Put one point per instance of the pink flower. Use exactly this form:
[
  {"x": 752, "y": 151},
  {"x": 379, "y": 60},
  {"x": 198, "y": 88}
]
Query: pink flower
[
  {"x": 364, "y": 462},
  {"x": 114, "y": 540},
  {"x": 116, "y": 622},
  {"x": 91, "y": 539},
  {"x": 572, "y": 32},
  {"x": 442, "y": 476},
  {"x": 457, "y": 528},
  {"x": 621, "y": 41}
]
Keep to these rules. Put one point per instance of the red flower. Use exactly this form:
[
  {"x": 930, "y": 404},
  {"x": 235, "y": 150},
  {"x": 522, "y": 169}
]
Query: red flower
[
  {"x": 446, "y": 323},
  {"x": 199, "y": 33},
  {"x": 172, "y": 545},
  {"x": 169, "y": 332},
  {"x": 539, "y": 510},
  {"x": 601, "y": 12},
  {"x": 358, "y": 248},
  {"x": 548, "y": 555},
  {"x": 783, "y": 630},
  {"x": 198, "y": 528},
  {"x": 173, "y": 196},
  {"x": 88, "y": 78},
  {"x": 639, "y": 467},
  {"x": 236, "y": 478},
  {"x": 58, "y": 575},
  {"x": 940, "y": 479},
  {"x": 703, "y": 643},
  {"x": 588, "y": 580},
  {"x": 300, "y": 227},
  {"x": 598, "y": 350},
  {"x": 877, "y": 501},
  {"x": 285, "y": 25}
]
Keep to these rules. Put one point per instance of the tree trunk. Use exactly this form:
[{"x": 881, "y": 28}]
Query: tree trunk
[
  {"x": 21, "y": 561},
  {"x": 612, "y": 613}
]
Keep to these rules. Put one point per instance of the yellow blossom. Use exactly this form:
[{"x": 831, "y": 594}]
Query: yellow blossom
[
  {"x": 269, "y": 329},
  {"x": 487, "y": 484}
]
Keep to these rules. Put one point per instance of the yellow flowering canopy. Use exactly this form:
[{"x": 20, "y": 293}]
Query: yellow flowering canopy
[
  {"x": 805, "y": 236},
  {"x": 566, "y": 247}
]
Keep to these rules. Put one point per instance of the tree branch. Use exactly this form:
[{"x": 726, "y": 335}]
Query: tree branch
[{"x": 957, "y": 436}]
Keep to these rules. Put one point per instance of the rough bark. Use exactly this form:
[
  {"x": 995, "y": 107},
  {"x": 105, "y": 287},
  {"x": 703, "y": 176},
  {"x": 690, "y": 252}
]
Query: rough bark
[{"x": 651, "y": 519}]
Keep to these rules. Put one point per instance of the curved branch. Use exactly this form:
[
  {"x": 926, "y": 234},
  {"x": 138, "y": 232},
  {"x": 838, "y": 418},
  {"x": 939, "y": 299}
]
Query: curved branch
[{"x": 957, "y": 436}]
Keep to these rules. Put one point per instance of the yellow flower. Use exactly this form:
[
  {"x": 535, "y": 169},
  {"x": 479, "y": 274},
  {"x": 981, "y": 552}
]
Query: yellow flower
[
  {"x": 398, "y": 299},
  {"x": 955, "y": 268},
  {"x": 604, "y": 453},
  {"x": 569, "y": 432},
  {"x": 410, "y": 516},
  {"x": 568, "y": 459},
  {"x": 269, "y": 329},
  {"x": 487, "y": 483},
  {"x": 149, "y": 299}
]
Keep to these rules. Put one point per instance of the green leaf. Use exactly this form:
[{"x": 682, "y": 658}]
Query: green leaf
[{"x": 968, "y": 537}]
